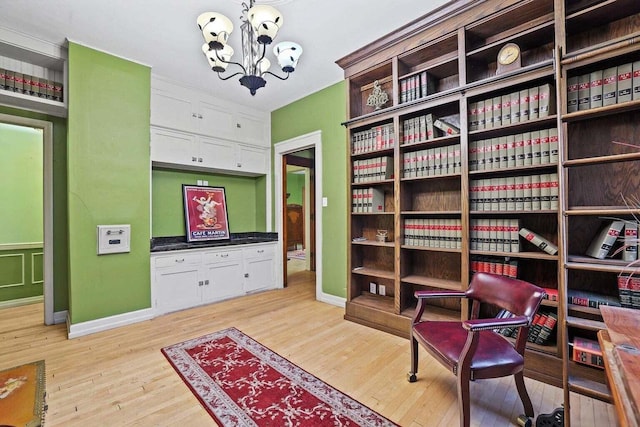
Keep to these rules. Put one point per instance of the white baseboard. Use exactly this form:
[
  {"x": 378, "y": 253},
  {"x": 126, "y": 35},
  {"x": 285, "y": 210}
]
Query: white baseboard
[
  {"x": 21, "y": 301},
  {"x": 99, "y": 325},
  {"x": 332, "y": 299},
  {"x": 60, "y": 317}
]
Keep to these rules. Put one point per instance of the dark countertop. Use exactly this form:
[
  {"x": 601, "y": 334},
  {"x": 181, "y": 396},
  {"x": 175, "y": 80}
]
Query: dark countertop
[{"x": 175, "y": 243}]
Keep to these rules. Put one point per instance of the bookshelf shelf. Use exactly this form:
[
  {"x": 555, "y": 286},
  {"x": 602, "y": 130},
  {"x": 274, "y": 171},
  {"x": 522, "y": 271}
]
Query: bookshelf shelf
[
  {"x": 594, "y": 389},
  {"x": 559, "y": 40},
  {"x": 373, "y": 272},
  {"x": 528, "y": 255},
  {"x": 373, "y": 243}
]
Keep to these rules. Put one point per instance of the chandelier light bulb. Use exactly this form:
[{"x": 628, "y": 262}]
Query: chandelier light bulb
[
  {"x": 216, "y": 29},
  {"x": 266, "y": 21}
]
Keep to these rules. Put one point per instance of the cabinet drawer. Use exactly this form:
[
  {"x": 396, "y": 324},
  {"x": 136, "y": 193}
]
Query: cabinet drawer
[
  {"x": 260, "y": 252},
  {"x": 177, "y": 260},
  {"x": 222, "y": 256}
]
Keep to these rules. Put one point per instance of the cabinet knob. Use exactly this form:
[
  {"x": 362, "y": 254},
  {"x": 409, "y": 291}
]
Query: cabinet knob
[
  {"x": 179, "y": 260},
  {"x": 206, "y": 282},
  {"x": 194, "y": 159},
  {"x": 260, "y": 251},
  {"x": 246, "y": 274},
  {"x": 224, "y": 255},
  {"x": 239, "y": 165},
  {"x": 199, "y": 116},
  {"x": 194, "y": 115},
  {"x": 199, "y": 159},
  {"x": 238, "y": 125},
  {"x": 200, "y": 283}
]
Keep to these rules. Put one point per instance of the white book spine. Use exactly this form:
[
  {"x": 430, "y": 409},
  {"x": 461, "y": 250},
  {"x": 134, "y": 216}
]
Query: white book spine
[{"x": 630, "y": 252}]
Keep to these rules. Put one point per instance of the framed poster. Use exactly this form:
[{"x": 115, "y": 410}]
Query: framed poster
[{"x": 205, "y": 213}]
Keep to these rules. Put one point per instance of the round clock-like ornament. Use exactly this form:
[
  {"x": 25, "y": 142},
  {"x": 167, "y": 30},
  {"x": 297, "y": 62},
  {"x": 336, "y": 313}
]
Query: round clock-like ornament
[{"x": 509, "y": 58}]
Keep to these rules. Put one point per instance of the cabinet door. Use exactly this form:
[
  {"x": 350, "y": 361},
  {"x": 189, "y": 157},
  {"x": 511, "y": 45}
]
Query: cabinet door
[
  {"x": 173, "y": 147},
  {"x": 177, "y": 288},
  {"x": 252, "y": 159},
  {"x": 216, "y": 120},
  {"x": 172, "y": 110},
  {"x": 251, "y": 129},
  {"x": 222, "y": 280},
  {"x": 218, "y": 154},
  {"x": 259, "y": 264}
]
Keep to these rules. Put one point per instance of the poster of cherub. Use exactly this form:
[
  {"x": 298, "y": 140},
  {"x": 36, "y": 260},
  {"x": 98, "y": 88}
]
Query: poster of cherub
[{"x": 205, "y": 210}]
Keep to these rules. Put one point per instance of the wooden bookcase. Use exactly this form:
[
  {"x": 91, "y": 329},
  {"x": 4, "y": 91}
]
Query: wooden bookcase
[{"x": 451, "y": 56}]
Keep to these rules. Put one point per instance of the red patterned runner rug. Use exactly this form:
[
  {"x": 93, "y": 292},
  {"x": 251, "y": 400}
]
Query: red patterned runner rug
[{"x": 242, "y": 383}]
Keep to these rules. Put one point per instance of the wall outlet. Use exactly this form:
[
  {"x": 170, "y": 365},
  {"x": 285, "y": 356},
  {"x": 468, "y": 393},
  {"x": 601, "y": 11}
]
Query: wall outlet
[
  {"x": 373, "y": 288},
  {"x": 382, "y": 290}
]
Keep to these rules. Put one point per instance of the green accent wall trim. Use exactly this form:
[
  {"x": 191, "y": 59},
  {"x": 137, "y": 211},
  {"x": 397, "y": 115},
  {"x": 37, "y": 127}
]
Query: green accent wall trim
[
  {"x": 21, "y": 273},
  {"x": 108, "y": 182},
  {"x": 60, "y": 232},
  {"x": 245, "y": 201},
  {"x": 324, "y": 110},
  {"x": 11, "y": 247}
]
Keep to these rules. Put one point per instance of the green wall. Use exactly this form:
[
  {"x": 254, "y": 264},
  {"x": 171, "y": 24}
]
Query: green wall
[
  {"x": 324, "y": 110},
  {"x": 108, "y": 182},
  {"x": 60, "y": 235},
  {"x": 168, "y": 209},
  {"x": 295, "y": 184},
  {"x": 21, "y": 171}
]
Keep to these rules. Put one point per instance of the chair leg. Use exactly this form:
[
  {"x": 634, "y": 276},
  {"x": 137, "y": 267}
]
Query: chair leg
[
  {"x": 411, "y": 376},
  {"x": 464, "y": 401},
  {"x": 524, "y": 396}
]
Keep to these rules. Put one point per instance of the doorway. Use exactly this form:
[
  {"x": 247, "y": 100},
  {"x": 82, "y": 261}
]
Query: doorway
[
  {"x": 298, "y": 206},
  {"x": 46, "y": 129},
  {"x": 294, "y": 146}
]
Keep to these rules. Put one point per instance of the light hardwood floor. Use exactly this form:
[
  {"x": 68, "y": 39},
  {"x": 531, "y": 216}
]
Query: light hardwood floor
[{"x": 120, "y": 378}]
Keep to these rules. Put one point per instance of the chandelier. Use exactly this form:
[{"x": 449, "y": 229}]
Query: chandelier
[{"x": 260, "y": 24}]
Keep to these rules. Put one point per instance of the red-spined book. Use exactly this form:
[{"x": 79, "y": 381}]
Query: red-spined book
[
  {"x": 587, "y": 352},
  {"x": 551, "y": 294}
]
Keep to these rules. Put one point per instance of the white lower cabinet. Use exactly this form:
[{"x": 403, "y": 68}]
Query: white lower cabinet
[
  {"x": 183, "y": 279},
  {"x": 259, "y": 268},
  {"x": 175, "y": 280}
]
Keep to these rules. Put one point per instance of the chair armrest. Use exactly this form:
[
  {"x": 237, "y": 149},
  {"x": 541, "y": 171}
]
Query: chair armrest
[
  {"x": 493, "y": 323},
  {"x": 439, "y": 294}
]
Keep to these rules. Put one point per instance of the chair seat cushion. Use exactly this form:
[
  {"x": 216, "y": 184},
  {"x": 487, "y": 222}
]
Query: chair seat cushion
[{"x": 494, "y": 356}]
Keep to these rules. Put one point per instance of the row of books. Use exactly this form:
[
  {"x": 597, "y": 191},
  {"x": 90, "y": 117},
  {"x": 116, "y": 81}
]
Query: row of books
[
  {"x": 599, "y": 88},
  {"x": 370, "y": 170},
  {"x": 441, "y": 233},
  {"x": 587, "y": 352},
  {"x": 602, "y": 245},
  {"x": 431, "y": 162},
  {"x": 629, "y": 291},
  {"x": 425, "y": 128},
  {"x": 516, "y": 107},
  {"x": 541, "y": 329},
  {"x": 30, "y": 85},
  {"x": 523, "y": 149},
  {"x": 494, "y": 235},
  {"x": 503, "y": 266},
  {"x": 416, "y": 87},
  {"x": 515, "y": 193},
  {"x": 373, "y": 139},
  {"x": 367, "y": 200},
  {"x": 591, "y": 299}
]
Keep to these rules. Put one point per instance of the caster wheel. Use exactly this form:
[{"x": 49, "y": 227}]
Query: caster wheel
[
  {"x": 555, "y": 419},
  {"x": 411, "y": 377}
]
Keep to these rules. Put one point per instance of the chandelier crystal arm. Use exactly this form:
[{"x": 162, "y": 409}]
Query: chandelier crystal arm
[
  {"x": 232, "y": 75},
  {"x": 244, "y": 71},
  {"x": 277, "y": 76}
]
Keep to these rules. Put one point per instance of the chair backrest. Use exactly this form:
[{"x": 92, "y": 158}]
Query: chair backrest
[{"x": 514, "y": 295}]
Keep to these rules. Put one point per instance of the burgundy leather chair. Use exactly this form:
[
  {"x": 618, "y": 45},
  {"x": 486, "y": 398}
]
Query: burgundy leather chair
[{"x": 472, "y": 349}]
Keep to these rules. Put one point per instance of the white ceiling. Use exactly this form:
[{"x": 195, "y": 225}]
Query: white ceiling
[{"x": 164, "y": 35}]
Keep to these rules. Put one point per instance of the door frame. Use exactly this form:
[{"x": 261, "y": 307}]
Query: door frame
[
  {"x": 282, "y": 148},
  {"x": 47, "y": 189}
]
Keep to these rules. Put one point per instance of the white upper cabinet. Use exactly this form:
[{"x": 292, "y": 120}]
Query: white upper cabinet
[{"x": 185, "y": 109}]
